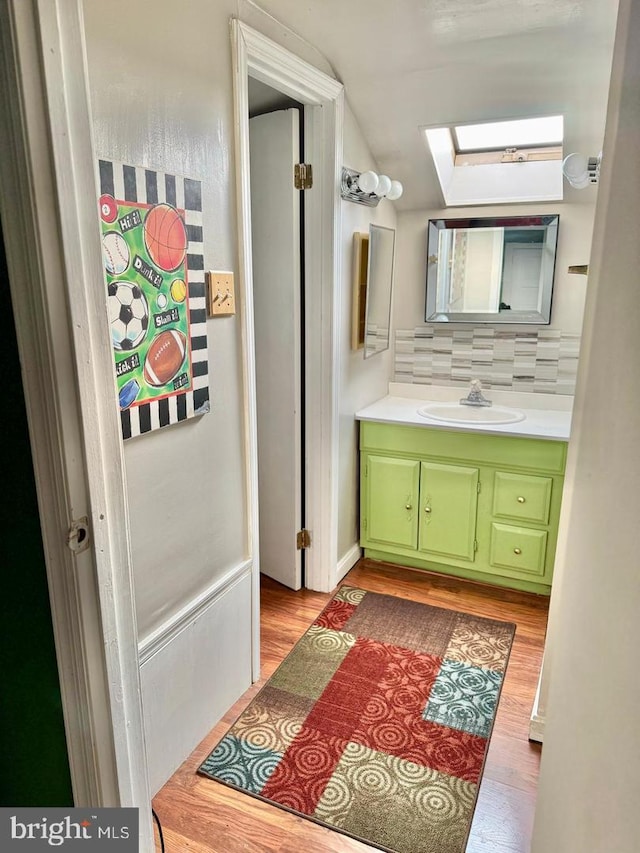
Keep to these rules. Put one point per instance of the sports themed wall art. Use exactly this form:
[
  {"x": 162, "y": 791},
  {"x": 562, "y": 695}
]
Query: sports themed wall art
[{"x": 154, "y": 267}]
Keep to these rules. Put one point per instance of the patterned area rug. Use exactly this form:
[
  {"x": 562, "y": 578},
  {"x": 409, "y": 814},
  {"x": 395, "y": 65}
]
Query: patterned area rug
[{"x": 376, "y": 724}]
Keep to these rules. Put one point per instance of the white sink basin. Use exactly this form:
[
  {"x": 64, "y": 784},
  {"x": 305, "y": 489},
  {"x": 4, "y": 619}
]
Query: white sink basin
[{"x": 456, "y": 413}]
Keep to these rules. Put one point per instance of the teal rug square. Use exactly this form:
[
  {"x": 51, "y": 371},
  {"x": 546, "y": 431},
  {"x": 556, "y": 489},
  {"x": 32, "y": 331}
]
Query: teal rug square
[
  {"x": 464, "y": 697},
  {"x": 242, "y": 764}
]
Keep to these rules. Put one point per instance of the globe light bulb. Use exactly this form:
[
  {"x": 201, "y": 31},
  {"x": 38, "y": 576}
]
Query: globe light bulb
[
  {"x": 395, "y": 191},
  {"x": 368, "y": 182},
  {"x": 384, "y": 185},
  {"x": 575, "y": 168}
]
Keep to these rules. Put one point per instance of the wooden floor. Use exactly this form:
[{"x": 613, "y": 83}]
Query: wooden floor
[{"x": 202, "y": 816}]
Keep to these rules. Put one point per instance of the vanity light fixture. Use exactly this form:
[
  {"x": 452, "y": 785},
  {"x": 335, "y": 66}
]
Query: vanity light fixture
[
  {"x": 368, "y": 188},
  {"x": 580, "y": 171}
]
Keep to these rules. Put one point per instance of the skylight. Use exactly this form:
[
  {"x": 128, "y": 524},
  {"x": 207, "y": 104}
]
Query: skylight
[{"x": 498, "y": 135}]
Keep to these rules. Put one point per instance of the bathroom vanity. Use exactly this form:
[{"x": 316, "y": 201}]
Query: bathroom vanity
[{"x": 472, "y": 499}]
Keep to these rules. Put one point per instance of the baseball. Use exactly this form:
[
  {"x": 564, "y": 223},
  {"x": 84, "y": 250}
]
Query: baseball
[{"x": 115, "y": 253}]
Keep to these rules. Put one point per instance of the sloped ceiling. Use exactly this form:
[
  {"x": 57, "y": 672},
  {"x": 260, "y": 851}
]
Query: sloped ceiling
[{"x": 407, "y": 64}]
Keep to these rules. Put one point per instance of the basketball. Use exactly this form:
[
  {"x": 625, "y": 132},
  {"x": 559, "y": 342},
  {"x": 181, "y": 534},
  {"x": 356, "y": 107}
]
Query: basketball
[
  {"x": 178, "y": 290},
  {"x": 165, "y": 237},
  {"x": 115, "y": 253}
]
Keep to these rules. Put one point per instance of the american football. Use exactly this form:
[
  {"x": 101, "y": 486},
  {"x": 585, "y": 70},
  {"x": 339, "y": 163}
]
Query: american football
[{"x": 164, "y": 358}]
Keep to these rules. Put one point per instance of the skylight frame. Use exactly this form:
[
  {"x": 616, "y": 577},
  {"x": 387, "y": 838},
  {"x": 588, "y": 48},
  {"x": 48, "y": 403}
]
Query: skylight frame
[{"x": 516, "y": 140}]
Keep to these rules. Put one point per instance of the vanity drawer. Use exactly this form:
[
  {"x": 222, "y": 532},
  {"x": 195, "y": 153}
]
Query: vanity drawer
[
  {"x": 520, "y": 549},
  {"x": 522, "y": 497}
]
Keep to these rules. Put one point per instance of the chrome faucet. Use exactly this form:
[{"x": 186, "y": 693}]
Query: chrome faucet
[{"x": 475, "y": 396}]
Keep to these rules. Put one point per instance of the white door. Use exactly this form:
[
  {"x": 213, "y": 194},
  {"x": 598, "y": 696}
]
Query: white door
[
  {"x": 275, "y": 224},
  {"x": 521, "y": 281}
]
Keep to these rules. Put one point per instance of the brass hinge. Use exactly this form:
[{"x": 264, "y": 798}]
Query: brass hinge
[
  {"x": 475, "y": 545},
  {"x": 302, "y": 176},
  {"x": 303, "y": 539}
]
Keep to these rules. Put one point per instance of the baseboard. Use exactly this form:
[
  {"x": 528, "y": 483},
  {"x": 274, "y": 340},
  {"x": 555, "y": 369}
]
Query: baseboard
[
  {"x": 537, "y": 721},
  {"x": 195, "y": 667},
  {"x": 348, "y": 561}
]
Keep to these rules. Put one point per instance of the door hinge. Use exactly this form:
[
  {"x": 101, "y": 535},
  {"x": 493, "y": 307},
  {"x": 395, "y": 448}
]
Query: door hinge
[
  {"x": 303, "y": 539},
  {"x": 479, "y": 486},
  {"x": 302, "y": 176},
  {"x": 364, "y": 523},
  {"x": 366, "y": 470},
  {"x": 475, "y": 545}
]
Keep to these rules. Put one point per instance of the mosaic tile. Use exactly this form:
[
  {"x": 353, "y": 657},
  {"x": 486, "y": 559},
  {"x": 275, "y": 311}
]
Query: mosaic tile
[{"x": 542, "y": 361}]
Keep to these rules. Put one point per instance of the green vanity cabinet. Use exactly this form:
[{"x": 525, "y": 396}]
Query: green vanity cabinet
[
  {"x": 392, "y": 501},
  {"x": 448, "y": 507},
  {"x": 479, "y": 506}
]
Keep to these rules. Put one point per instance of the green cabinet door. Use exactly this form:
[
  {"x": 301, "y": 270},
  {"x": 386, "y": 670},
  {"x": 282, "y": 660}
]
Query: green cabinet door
[
  {"x": 448, "y": 507},
  {"x": 390, "y": 501}
]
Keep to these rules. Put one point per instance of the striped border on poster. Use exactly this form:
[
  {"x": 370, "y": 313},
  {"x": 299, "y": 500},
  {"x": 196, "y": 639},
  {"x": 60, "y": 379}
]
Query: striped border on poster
[{"x": 146, "y": 186}]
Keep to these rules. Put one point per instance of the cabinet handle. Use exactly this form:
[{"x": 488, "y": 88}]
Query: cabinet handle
[
  {"x": 517, "y": 551},
  {"x": 427, "y": 509},
  {"x": 408, "y": 506},
  {"x": 520, "y": 500}
]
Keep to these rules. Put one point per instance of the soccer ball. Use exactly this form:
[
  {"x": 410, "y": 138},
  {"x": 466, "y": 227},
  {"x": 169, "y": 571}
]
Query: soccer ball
[{"x": 128, "y": 315}]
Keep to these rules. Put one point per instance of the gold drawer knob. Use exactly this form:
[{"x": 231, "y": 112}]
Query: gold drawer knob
[
  {"x": 427, "y": 509},
  {"x": 517, "y": 550},
  {"x": 520, "y": 500},
  {"x": 408, "y": 506}
]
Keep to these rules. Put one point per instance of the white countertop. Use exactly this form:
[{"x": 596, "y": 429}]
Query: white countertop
[{"x": 550, "y": 423}]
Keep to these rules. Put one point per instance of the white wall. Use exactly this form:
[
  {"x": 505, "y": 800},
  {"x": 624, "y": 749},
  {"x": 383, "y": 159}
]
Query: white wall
[
  {"x": 157, "y": 103},
  {"x": 502, "y": 182},
  {"x": 362, "y": 380},
  {"x": 589, "y": 785},
  {"x": 161, "y": 92},
  {"x": 574, "y": 242},
  {"x": 161, "y": 96}
]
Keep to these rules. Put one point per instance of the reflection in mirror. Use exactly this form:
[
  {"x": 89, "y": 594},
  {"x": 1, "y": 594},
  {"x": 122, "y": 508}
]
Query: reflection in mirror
[
  {"x": 492, "y": 270},
  {"x": 379, "y": 286}
]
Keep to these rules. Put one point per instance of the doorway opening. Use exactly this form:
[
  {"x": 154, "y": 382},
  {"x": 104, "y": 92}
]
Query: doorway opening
[{"x": 276, "y": 129}]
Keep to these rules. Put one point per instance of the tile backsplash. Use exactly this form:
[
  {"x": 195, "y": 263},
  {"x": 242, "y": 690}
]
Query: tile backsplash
[{"x": 542, "y": 361}]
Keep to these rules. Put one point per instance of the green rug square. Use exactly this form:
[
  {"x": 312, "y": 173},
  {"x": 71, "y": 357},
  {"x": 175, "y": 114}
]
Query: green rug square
[{"x": 313, "y": 662}]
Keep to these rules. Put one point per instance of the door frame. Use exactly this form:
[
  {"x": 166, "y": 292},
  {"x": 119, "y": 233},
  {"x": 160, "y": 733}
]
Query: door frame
[
  {"x": 323, "y": 97},
  {"x": 47, "y": 202}
]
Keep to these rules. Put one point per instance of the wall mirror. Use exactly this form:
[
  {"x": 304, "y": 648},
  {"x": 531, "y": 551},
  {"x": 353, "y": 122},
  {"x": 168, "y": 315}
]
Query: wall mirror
[
  {"x": 491, "y": 270},
  {"x": 373, "y": 264}
]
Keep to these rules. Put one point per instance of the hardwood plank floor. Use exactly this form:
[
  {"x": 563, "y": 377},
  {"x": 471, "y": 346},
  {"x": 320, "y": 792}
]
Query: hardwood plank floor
[{"x": 202, "y": 816}]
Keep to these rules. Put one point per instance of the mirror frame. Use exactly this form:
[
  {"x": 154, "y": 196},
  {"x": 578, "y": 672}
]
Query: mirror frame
[
  {"x": 540, "y": 318},
  {"x": 368, "y": 352},
  {"x": 362, "y": 250}
]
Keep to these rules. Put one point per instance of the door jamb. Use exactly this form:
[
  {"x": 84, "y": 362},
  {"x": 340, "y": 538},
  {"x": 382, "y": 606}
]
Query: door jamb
[{"x": 257, "y": 56}]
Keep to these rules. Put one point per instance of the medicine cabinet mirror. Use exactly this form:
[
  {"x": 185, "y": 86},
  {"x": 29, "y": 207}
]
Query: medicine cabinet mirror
[
  {"x": 491, "y": 270},
  {"x": 373, "y": 264}
]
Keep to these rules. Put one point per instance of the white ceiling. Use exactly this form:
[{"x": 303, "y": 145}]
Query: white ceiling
[{"x": 412, "y": 63}]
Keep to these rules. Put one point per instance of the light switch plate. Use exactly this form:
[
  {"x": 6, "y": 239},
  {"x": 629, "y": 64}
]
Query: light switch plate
[{"x": 221, "y": 297}]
